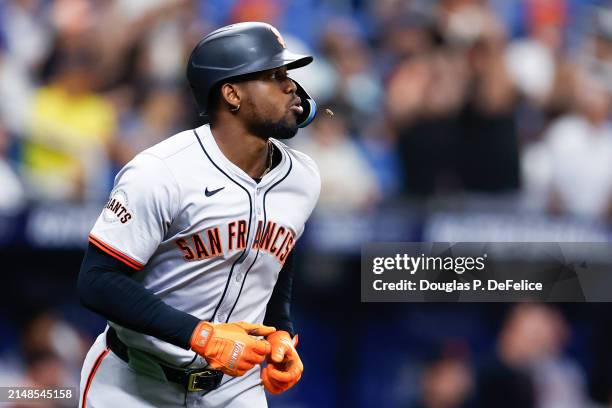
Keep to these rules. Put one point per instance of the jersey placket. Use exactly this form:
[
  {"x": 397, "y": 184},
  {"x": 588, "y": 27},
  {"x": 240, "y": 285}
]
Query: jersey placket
[
  {"x": 256, "y": 192},
  {"x": 247, "y": 260}
]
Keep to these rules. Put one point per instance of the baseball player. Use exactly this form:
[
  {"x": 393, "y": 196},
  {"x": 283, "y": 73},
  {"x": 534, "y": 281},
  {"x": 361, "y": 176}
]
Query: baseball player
[{"x": 190, "y": 259}]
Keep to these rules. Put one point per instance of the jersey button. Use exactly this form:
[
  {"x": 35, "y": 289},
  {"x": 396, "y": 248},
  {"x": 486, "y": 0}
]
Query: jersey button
[{"x": 238, "y": 277}]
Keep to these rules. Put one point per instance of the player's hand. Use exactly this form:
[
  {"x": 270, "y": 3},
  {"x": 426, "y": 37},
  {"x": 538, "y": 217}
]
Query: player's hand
[
  {"x": 231, "y": 347},
  {"x": 256, "y": 329},
  {"x": 284, "y": 367}
]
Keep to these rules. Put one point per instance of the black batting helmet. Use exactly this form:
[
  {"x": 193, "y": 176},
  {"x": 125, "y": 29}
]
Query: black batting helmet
[{"x": 240, "y": 49}]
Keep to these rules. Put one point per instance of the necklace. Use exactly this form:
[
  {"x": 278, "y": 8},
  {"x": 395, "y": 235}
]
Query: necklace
[{"x": 270, "y": 158}]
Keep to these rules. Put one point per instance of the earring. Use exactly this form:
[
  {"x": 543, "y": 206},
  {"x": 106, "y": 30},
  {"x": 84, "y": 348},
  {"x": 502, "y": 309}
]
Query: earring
[{"x": 235, "y": 109}]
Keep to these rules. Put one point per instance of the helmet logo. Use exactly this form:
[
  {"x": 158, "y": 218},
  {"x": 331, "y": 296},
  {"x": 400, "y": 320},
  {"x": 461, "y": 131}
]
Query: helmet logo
[{"x": 279, "y": 37}]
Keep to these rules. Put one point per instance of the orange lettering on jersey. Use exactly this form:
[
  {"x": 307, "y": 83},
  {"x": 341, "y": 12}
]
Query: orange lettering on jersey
[
  {"x": 267, "y": 235},
  {"x": 270, "y": 237},
  {"x": 280, "y": 231},
  {"x": 188, "y": 253},
  {"x": 242, "y": 227},
  {"x": 201, "y": 250},
  {"x": 214, "y": 240},
  {"x": 230, "y": 235},
  {"x": 288, "y": 249},
  {"x": 282, "y": 246},
  {"x": 258, "y": 235}
]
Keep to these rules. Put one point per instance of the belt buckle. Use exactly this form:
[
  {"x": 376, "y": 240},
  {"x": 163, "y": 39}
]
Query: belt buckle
[{"x": 211, "y": 380}]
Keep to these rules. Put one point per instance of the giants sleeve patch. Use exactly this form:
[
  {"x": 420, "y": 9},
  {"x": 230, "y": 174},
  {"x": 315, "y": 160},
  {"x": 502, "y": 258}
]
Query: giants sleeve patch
[{"x": 116, "y": 209}]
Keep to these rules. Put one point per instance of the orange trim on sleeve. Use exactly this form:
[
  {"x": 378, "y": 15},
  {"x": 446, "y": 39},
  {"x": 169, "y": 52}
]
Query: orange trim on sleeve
[
  {"x": 115, "y": 254},
  {"x": 92, "y": 373}
]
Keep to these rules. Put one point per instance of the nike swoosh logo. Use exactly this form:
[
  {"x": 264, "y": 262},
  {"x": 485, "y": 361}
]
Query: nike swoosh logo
[{"x": 212, "y": 192}]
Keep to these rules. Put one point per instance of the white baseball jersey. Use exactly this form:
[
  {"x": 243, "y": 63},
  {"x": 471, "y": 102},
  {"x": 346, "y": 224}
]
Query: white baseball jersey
[{"x": 204, "y": 236}]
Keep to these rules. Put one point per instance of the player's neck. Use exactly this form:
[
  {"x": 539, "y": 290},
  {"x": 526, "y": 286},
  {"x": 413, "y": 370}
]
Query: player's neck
[{"x": 247, "y": 151}]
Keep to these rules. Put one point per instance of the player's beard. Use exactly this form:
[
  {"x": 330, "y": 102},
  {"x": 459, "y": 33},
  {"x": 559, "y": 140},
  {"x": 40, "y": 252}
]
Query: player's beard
[{"x": 281, "y": 129}]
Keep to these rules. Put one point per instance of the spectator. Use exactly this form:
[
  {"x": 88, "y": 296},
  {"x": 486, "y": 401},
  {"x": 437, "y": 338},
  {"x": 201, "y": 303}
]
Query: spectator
[
  {"x": 533, "y": 61},
  {"x": 158, "y": 117},
  {"x": 347, "y": 180},
  {"x": 452, "y": 107},
  {"x": 27, "y": 29},
  {"x": 24, "y": 42},
  {"x": 65, "y": 156},
  {"x": 569, "y": 171},
  {"x": 486, "y": 146},
  {"x": 447, "y": 382},
  {"x": 358, "y": 88},
  {"x": 424, "y": 95},
  {"x": 530, "y": 369}
]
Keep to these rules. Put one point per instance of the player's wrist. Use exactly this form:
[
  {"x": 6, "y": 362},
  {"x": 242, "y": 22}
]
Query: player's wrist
[{"x": 201, "y": 336}]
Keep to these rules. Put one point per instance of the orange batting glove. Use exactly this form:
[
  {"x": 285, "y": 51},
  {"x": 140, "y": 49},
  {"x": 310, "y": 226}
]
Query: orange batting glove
[
  {"x": 231, "y": 347},
  {"x": 284, "y": 367}
]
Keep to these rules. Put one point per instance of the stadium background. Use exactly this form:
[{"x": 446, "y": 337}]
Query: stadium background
[{"x": 455, "y": 120}]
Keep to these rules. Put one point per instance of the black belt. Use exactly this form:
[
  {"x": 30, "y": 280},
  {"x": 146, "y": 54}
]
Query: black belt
[{"x": 196, "y": 379}]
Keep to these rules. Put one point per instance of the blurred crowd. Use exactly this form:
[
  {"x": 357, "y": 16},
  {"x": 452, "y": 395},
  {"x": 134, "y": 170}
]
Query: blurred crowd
[
  {"x": 431, "y": 99},
  {"x": 530, "y": 368},
  {"x": 524, "y": 361},
  {"x": 48, "y": 354}
]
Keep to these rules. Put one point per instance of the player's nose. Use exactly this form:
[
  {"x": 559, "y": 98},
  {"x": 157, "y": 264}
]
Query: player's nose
[{"x": 292, "y": 87}]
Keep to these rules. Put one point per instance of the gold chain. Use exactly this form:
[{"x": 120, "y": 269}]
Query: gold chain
[{"x": 270, "y": 158}]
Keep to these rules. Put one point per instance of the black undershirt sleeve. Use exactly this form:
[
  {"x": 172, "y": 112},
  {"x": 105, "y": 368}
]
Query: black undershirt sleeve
[
  {"x": 106, "y": 287},
  {"x": 278, "y": 311}
]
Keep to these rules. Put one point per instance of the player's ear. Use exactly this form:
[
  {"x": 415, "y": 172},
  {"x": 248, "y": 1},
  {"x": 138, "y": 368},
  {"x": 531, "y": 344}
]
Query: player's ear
[{"x": 231, "y": 96}]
